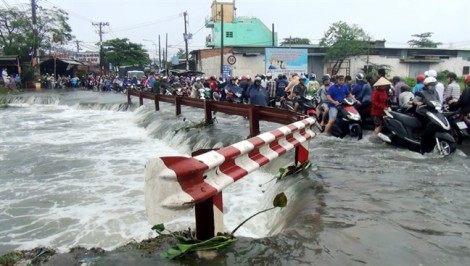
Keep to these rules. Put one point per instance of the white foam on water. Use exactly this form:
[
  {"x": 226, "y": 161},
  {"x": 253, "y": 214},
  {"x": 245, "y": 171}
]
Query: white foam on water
[{"x": 78, "y": 177}]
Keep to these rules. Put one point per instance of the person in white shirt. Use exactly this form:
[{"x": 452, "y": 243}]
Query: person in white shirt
[
  {"x": 5, "y": 77},
  {"x": 439, "y": 86}
]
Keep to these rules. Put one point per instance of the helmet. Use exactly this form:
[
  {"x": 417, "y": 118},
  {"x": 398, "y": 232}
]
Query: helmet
[
  {"x": 243, "y": 77},
  {"x": 326, "y": 77},
  {"x": 467, "y": 78},
  {"x": 360, "y": 76},
  {"x": 420, "y": 77},
  {"x": 429, "y": 80},
  {"x": 269, "y": 75},
  {"x": 452, "y": 75},
  {"x": 258, "y": 78},
  {"x": 313, "y": 76},
  {"x": 432, "y": 73},
  {"x": 303, "y": 77},
  {"x": 198, "y": 79}
]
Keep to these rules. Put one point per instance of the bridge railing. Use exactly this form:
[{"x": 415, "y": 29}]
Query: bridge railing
[
  {"x": 253, "y": 113},
  {"x": 174, "y": 184}
]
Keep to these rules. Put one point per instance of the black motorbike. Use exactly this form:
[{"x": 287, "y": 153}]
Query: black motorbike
[
  {"x": 458, "y": 127},
  {"x": 306, "y": 105},
  {"x": 421, "y": 130},
  {"x": 348, "y": 120}
]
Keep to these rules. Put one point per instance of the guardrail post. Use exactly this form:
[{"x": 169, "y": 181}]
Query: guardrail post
[
  {"x": 209, "y": 217},
  {"x": 178, "y": 104},
  {"x": 208, "y": 112},
  {"x": 253, "y": 116},
  {"x": 129, "y": 96},
  {"x": 209, "y": 213},
  {"x": 157, "y": 103},
  {"x": 141, "y": 98}
]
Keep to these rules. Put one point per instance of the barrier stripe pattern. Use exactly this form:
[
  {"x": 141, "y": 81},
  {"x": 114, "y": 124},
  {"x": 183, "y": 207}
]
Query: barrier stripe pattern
[{"x": 177, "y": 183}]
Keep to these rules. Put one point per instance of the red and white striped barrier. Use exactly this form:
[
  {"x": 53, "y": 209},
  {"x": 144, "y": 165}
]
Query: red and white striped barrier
[{"x": 175, "y": 184}]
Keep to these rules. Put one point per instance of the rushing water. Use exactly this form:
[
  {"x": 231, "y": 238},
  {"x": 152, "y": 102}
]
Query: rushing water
[{"x": 72, "y": 174}]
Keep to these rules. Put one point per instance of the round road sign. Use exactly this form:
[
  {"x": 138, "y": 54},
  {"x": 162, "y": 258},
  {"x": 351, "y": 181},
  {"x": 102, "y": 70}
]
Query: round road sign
[{"x": 231, "y": 59}]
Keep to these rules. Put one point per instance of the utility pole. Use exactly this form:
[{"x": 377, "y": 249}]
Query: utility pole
[
  {"x": 78, "y": 46},
  {"x": 159, "y": 53},
  {"x": 222, "y": 40},
  {"x": 35, "y": 59},
  {"x": 166, "y": 56},
  {"x": 101, "y": 24},
  {"x": 186, "y": 38}
]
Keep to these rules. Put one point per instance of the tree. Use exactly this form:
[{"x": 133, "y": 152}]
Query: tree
[
  {"x": 16, "y": 31},
  {"x": 181, "y": 54},
  {"x": 423, "y": 41},
  {"x": 122, "y": 52},
  {"x": 342, "y": 41},
  {"x": 295, "y": 41}
]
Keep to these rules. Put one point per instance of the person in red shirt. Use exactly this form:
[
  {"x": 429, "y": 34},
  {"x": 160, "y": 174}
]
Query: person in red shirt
[{"x": 379, "y": 102}]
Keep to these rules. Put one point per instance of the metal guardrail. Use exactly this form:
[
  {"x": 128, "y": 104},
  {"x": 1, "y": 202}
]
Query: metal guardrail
[
  {"x": 177, "y": 183},
  {"x": 252, "y": 112}
]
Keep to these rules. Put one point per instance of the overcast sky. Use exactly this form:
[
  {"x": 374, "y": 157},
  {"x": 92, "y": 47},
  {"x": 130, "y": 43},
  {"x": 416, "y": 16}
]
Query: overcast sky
[{"x": 395, "y": 21}]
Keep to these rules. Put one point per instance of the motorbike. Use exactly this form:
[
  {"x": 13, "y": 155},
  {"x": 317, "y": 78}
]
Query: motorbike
[
  {"x": 348, "y": 120},
  {"x": 459, "y": 129},
  {"x": 307, "y": 105},
  {"x": 408, "y": 129}
]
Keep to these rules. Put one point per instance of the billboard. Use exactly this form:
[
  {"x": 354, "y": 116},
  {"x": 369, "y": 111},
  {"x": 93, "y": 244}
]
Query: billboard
[
  {"x": 88, "y": 57},
  {"x": 286, "y": 61}
]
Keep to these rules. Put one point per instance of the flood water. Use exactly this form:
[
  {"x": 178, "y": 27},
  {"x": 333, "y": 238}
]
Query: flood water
[{"x": 72, "y": 174}]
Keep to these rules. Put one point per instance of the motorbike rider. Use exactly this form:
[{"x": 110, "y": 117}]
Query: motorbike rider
[
  {"x": 233, "y": 91},
  {"x": 463, "y": 102},
  {"x": 419, "y": 84},
  {"x": 196, "y": 87},
  {"x": 323, "y": 100},
  {"x": 453, "y": 89},
  {"x": 257, "y": 95},
  {"x": 427, "y": 94},
  {"x": 313, "y": 84},
  {"x": 405, "y": 99},
  {"x": 299, "y": 91},
  {"x": 335, "y": 96},
  {"x": 439, "y": 86}
]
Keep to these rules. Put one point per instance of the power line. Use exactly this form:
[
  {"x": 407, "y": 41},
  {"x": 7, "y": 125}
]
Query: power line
[
  {"x": 69, "y": 11},
  {"x": 146, "y": 24}
]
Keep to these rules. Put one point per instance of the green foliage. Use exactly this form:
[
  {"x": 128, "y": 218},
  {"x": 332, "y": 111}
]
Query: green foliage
[
  {"x": 122, "y": 52},
  {"x": 200, "y": 124},
  {"x": 410, "y": 81},
  {"x": 181, "y": 53},
  {"x": 423, "y": 41},
  {"x": 292, "y": 170},
  {"x": 188, "y": 242},
  {"x": 295, "y": 41},
  {"x": 342, "y": 41},
  {"x": 16, "y": 32}
]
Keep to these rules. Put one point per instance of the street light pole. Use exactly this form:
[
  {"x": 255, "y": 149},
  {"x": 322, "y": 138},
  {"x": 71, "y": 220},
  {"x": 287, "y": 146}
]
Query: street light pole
[{"x": 156, "y": 50}]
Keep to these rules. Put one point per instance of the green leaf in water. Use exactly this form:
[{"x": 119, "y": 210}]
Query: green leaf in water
[
  {"x": 280, "y": 200},
  {"x": 159, "y": 228}
]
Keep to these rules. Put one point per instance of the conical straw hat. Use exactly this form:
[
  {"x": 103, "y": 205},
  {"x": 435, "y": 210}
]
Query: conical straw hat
[{"x": 382, "y": 82}]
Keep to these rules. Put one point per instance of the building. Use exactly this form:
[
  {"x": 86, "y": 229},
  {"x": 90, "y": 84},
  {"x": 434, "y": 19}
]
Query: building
[
  {"x": 237, "y": 31},
  {"x": 245, "y": 42}
]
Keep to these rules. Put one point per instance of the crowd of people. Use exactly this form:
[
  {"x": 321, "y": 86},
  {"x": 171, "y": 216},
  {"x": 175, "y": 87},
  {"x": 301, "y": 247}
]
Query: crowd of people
[
  {"x": 380, "y": 93},
  {"x": 372, "y": 94}
]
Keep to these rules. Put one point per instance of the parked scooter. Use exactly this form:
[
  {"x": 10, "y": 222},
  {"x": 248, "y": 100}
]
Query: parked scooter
[
  {"x": 348, "y": 120},
  {"x": 459, "y": 129},
  {"x": 307, "y": 105},
  {"x": 405, "y": 129}
]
